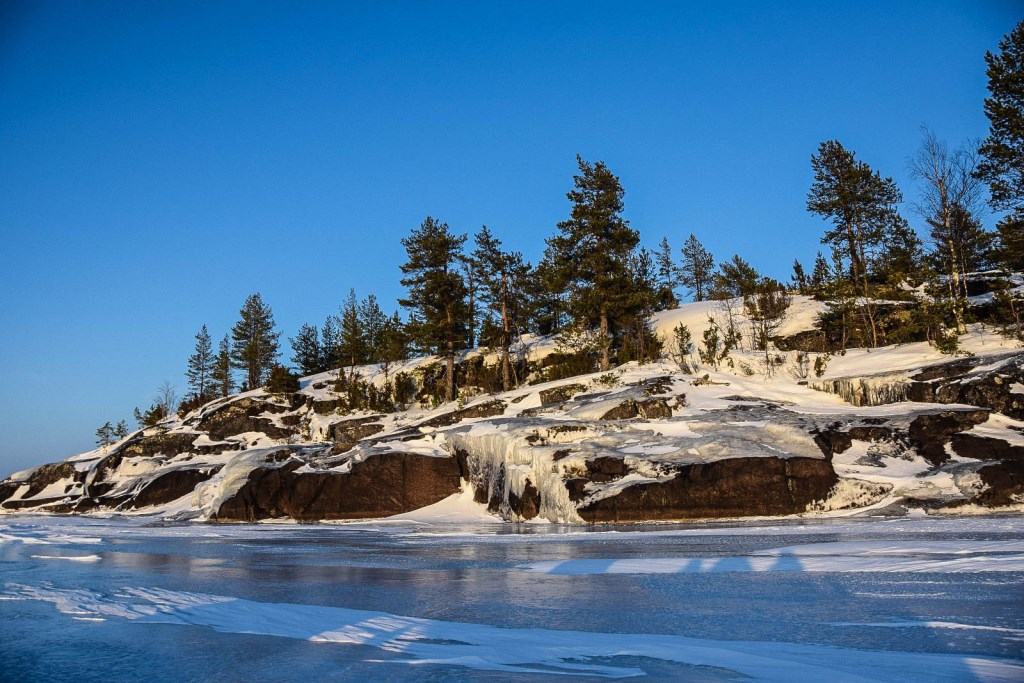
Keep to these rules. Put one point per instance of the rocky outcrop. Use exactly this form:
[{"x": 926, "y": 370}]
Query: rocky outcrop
[
  {"x": 930, "y": 432},
  {"x": 734, "y": 487},
  {"x": 383, "y": 484},
  {"x": 347, "y": 433},
  {"x": 487, "y": 409},
  {"x": 240, "y": 416},
  {"x": 560, "y": 394},
  {"x": 170, "y": 486},
  {"x": 648, "y": 409}
]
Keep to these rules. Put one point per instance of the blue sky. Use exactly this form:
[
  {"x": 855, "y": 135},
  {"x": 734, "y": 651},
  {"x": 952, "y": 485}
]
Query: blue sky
[{"x": 161, "y": 161}]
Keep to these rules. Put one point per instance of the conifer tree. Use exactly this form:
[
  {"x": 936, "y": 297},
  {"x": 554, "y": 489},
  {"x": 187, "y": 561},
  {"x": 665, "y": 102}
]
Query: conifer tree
[
  {"x": 351, "y": 343},
  {"x": 306, "y": 352},
  {"x": 200, "y": 366},
  {"x": 799, "y": 278},
  {"x": 373, "y": 320},
  {"x": 436, "y": 293},
  {"x": 697, "y": 267},
  {"x": 105, "y": 435},
  {"x": 254, "y": 346},
  {"x": 735, "y": 278},
  {"x": 121, "y": 430},
  {"x": 1002, "y": 165},
  {"x": 329, "y": 358},
  {"x": 594, "y": 247},
  {"x": 862, "y": 207},
  {"x": 502, "y": 278},
  {"x": 548, "y": 293},
  {"x": 821, "y": 274},
  {"x": 668, "y": 277},
  {"x": 222, "y": 383}
]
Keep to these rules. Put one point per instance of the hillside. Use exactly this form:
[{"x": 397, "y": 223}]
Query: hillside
[{"x": 888, "y": 430}]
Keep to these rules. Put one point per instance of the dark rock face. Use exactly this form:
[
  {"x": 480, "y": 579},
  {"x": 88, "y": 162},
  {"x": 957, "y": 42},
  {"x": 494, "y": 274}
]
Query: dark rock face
[
  {"x": 43, "y": 476},
  {"x": 526, "y": 506},
  {"x": 946, "y": 383},
  {"x": 736, "y": 487},
  {"x": 488, "y": 409},
  {"x": 606, "y": 468},
  {"x": 348, "y": 433},
  {"x": 986, "y": 448},
  {"x": 649, "y": 409},
  {"x": 327, "y": 407},
  {"x": 809, "y": 340},
  {"x": 382, "y": 485},
  {"x": 168, "y": 443},
  {"x": 171, "y": 486},
  {"x": 239, "y": 417},
  {"x": 1005, "y": 481},
  {"x": 930, "y": 433},
  {"x": 560, "y": 394}
]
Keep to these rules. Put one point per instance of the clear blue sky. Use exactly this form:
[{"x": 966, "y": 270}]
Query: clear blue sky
[{"x": 161, "y": 161}]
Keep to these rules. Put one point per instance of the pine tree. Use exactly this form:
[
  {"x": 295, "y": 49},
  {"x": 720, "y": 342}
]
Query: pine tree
[
  {"x": 254, "y": 341},
  {"x": 799, "y": 278},
  {"x": 330, "y": 358},
  {"x": 547, "y": 292},
  {"x": 502, "y": 277},
  {"x": 200, "y": 366},
  {"x": 735, "y": 278},
  {"x": 821, "y": 275},
  {"x": 697, "y": 267},
  {"x": 1003, "y": 150},
  {"x": 105, "y": 435},
  {"x": 594, "y": 247},
  {"x": 351, "y": 343},
  {"x": 307, "y": 354},
  {"x": 437, "y": 293},
  {"x": 221, "y": 381},
  {"x": 862, "y": 206},
  {"x": 668, "y": 277},
  {"x": 373, "y": 326},
  {"x": 120, "y": 431}
]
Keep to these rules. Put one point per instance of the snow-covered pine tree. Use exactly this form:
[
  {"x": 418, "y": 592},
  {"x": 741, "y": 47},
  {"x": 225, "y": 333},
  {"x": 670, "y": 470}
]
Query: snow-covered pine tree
[
  {"x": 254, "y": 347},
  {"x": 436, "y": 293},
  {"x": 200, "y": 366}
]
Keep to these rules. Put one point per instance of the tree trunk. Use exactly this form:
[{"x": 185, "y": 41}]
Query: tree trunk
[
  {"x": 449, "y": 379},
  {"x": 506, "y": 380},
  {"x": 606, "y": 361}
]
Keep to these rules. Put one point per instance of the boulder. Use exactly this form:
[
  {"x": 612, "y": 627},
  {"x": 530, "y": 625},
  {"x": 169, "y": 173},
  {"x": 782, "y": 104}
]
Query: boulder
[{"x": 560, "y": 394}]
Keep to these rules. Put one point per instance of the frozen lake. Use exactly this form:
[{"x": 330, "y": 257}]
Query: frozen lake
[{"x": 903, "y": 600}]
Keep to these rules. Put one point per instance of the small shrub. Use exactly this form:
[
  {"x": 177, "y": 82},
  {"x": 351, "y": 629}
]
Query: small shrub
[{"x": 282, "y": 381}]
